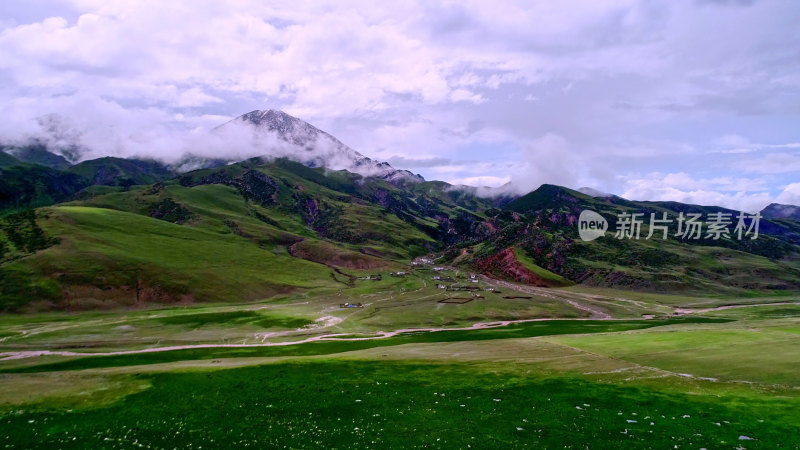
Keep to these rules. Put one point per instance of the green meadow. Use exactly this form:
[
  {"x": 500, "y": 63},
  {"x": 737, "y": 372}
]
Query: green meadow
[
  {"x": 725, "y": 378},
  {"x": 261, "y": 306},
  {"x": 358, "y": 404}
]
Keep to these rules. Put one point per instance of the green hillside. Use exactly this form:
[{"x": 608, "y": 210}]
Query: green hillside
[
  {"x": 257, "y": 229},
  {"x": 113, "y": 256},
  {"x": 43, "y": 178},
  {"x": 37, "y": 153},
  {"x": 545, "y": 231},
  {"x": 111, "y": 171},
  {"x": 242, "y": 232},
  {"x": 7, "y": 160},
  {"x": 32, "y": 185}
]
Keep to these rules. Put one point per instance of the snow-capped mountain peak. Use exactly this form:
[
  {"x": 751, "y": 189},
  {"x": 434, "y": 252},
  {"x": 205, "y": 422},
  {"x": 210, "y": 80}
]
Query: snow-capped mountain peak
[{"x": 287, "y": 136}]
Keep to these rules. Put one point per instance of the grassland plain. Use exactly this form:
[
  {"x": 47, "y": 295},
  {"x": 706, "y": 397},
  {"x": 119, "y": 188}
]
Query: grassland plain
[
  {"x": 348, "y": 404},
  {"x": 388, "y": 304},
  {"x": 258, "y": 304},
  {"x": 188, "y": 314},
  {"x": 728, "y": 381}
]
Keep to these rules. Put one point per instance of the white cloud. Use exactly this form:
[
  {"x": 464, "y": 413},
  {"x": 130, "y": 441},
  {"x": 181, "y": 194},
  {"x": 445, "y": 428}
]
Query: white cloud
[
  {"x": 771, "y": 163},
  {"x": 481, "y": 181},
  {"x": 586, "y": 92},
  {"x": 195, "y": 97},
  {"x": 548, "y": 159},
  {"x": 742, "y": 194},
  {"x": 733, "y": 143},
  {"x": 463, "y": 95},
  {"x": 790, "y": 195}
]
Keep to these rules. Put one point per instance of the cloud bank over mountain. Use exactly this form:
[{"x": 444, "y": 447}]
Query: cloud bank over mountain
[{"x": 695, "y": 101}]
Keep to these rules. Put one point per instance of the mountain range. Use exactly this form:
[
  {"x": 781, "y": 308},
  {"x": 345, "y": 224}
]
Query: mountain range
[{"x": 314, "y": 213}]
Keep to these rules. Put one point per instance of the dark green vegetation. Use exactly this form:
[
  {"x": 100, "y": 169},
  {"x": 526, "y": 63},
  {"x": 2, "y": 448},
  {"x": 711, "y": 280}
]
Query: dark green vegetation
[
  {"x": 31, "y": 176},
  {"x": 213, "y": 308},
  {"x": 394, "y": 405},
  {"x": 278, "y": 226},
  {"x": 549, "y": 237},
  {"x": 236, "y": 318},
  {"x": 529, "y": 384},
  {"x": 7, "y": 160},
  {"x": 111, "y": 171},
  {"x": 117, "y": 249},
  {"x": 31, "y": 185},
  {"x": 23, "y": 233},
  {"x": 779, "y": 211},
  {"x": 341, "y": 344},
  {"x": 35, "y": 153},
  {"x": 20, "y": 236}
]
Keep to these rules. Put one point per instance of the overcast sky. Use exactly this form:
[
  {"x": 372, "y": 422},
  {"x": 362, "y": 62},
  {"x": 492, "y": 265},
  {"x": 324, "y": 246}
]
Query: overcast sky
[{"x": 694, "y": 101}]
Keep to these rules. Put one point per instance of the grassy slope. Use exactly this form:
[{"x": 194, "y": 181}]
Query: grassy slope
[
  {"x": 764, "y": 356},
  {"x": 337, "y": 218},
  {"x": 7, "y": 160},
  {"x": 702, "y": 266},
  {"x": 112, "y": 248},
  {"x": 550, "y": 277},
  {"x": 96, "y": 256},
  {"x": 99, "y": 262},
  {"x": 115, "y": 171},
  {"x": 673, "y": 267},
  {"x": 213, "y": 204}
]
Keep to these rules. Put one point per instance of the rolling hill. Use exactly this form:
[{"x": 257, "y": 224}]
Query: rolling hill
[
  {"x": 778, "y": 211},
  {"x": 117, "y": 232},
  {"x": 7, "y": 160},
  {"x": 545, "y": 230},
  {"x": 110, "y": 171},
  {"x": 255, "y": 218},
  {"x": 37, "y": 153}
]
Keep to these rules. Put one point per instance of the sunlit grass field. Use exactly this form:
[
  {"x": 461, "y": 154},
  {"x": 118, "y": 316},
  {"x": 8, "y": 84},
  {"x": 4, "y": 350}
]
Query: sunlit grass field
[
  {"x": 348, "y": 404},
  {"x": 722, "y": 379}
]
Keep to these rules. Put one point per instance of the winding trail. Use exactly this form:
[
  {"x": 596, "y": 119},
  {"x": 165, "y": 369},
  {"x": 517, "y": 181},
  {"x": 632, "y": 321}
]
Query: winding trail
[
  {"x": 568, "y": 297},
  {"x": 5, "y": 356},
  {"x": 685, "y": 311},
  {"x": 580, "y": 301},
  {"x": 596, "y": 315}
]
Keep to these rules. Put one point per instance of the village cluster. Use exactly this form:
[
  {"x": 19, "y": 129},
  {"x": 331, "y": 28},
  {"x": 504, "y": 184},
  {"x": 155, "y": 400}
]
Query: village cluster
[
  {"x": 448, "y": 279},
  {"x": 452, "y": 280}
]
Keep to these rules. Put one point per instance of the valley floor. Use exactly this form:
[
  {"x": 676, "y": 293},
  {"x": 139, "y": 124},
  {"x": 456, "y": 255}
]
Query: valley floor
[{"x": 413, "y": 366}]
